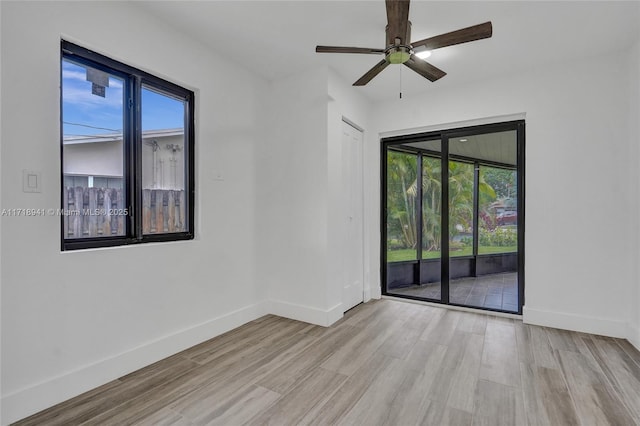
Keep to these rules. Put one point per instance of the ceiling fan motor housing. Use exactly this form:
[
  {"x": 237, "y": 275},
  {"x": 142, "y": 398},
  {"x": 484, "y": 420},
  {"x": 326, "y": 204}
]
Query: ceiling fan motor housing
[
  {"x": 398, "y": 50},
  {"x": 398, "y": 54}
]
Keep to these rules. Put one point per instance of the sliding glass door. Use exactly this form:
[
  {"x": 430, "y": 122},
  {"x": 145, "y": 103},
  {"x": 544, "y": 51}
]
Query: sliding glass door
[
  {"x": 452, "y": 216},
  {"x": 413, "y": 219}
]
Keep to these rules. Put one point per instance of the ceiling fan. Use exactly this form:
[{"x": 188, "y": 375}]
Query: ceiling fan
[{"x": 399, "y": 48}]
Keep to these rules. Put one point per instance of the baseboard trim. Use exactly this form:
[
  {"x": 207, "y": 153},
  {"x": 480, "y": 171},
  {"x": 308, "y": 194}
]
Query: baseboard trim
[
  {"x": 633, "y": 335},
  {"x": 306, "y": 313},
  {"x": 581, "y": 323},
  {"x": 366, "y": 294},
  {"x": 376, "y": 292},
  {"x": 30, "y": 400}
]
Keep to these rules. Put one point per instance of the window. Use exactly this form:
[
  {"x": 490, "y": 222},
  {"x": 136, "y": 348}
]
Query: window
[{"x": 127, "y": 141}]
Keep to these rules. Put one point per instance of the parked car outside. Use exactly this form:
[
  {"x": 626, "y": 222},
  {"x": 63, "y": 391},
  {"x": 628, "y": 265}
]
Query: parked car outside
[{"x": 509, "y": 217}]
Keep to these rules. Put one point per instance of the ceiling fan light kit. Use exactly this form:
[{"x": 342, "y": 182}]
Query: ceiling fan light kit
[
  {"x": 398, "y": 54},
  {"x": 400, "y": 50},
  {"x": 422, "y": 54}
]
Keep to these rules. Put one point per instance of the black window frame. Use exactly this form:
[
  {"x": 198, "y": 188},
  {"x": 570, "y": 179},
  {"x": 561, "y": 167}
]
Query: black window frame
[{"x": 134, "y": 79}]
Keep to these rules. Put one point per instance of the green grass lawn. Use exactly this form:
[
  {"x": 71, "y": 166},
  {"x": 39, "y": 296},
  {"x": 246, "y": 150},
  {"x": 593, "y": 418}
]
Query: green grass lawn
[{"x": 410, "y": 254}]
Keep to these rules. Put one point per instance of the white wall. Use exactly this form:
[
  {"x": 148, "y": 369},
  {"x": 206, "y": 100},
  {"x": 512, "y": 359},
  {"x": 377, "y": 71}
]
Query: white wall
[
  {"x": 634, "y": 156},
  {"x": 291, "y": 179},
  {"x": 344, "y": 102},
  {"x": 1, "y": 207},
  {"x": 298, "y": 177},
  {"x": 74, "y": 320},
  {"x": 578, "y": 247}
]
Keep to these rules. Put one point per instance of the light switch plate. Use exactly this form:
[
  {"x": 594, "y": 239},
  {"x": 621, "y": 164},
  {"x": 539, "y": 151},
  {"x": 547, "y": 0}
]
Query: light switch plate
[{"x": 31, "y": 181}]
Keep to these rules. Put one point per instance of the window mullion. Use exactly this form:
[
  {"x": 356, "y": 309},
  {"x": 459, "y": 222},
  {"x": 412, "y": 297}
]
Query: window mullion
[{"x": 136, "y": 159}]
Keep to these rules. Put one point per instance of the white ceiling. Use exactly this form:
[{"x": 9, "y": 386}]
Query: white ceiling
[{"x": 278, "y": 38}]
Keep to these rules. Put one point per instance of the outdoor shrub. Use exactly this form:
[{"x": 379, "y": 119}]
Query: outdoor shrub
[
  {"x": 500, "y": 237},
  {"x": 466, "y": 241}
]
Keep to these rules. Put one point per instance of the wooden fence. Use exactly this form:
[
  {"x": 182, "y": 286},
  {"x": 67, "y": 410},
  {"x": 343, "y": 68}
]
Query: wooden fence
[
  {"x": 101, "y": 212},
  {"x": 163, "y": 211}
]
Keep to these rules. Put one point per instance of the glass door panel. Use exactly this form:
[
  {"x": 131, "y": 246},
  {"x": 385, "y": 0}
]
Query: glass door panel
[
  {"x": 401, "y": 221},
  {"x": 401, "y": 207},
  {"x": 498, "y": 211},
  {"x": 483, "y": 234},
  {"x": 414, "y": 184},
  {"x": 461, "y": 199},
  {"x": 430, "y": 264},
  {"x": 452, "y": 217}
]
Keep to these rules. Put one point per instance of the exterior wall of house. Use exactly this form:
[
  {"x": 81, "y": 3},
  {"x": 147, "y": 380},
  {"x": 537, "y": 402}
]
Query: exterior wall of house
[
  {"x": 74, "y": 320},
  {"x": 93, "y": 159},
  {"x": 106, "y": 159},
  {"x": 169, "y": 163}
]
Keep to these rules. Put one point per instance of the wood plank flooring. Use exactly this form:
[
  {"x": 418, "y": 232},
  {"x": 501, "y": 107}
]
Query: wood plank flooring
[{"x": 385, "y": 363}]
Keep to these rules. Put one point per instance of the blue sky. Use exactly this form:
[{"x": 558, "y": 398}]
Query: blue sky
[{"x": 88, "y": 114}]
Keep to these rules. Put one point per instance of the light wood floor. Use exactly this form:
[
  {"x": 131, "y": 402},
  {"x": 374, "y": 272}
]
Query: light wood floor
[{"x": 385, "y": 362}]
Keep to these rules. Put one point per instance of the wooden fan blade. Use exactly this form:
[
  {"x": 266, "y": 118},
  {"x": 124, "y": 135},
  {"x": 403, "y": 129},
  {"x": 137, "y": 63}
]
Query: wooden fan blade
[
  {"x": 372, "y": 73},
  {"x": 398, "y": 20},
  {"x": 425, "y": 69},
  {"x": 339, "y": 49},
  {"x": 476, "y": 32}
]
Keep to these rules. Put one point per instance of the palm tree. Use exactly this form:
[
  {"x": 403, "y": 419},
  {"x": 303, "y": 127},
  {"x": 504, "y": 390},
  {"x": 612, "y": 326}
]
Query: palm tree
[
  {"x": 402, "y": 194},
  {"x": 431, "y": 194},
  {"x": 460, "y": 197},
  {"x": 401, "y": 169}
]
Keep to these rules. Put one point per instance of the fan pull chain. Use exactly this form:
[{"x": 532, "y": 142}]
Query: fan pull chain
[{"x": 400, "y": 82}]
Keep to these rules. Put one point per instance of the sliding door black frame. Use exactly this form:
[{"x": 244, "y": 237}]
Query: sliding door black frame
[{"x": 398, "y": 143}]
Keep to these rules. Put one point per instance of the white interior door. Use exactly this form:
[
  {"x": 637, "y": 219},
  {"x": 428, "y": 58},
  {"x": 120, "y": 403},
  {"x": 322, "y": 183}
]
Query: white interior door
[{"x": 353, "y": 206}]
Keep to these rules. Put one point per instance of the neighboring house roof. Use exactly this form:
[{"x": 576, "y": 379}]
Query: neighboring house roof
[{"x": 114, "y": 137}]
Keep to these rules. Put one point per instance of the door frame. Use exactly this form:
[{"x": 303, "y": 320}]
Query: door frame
[
  {"x": 360, "y": 154},
  {"x": 444, "y": 135}
]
